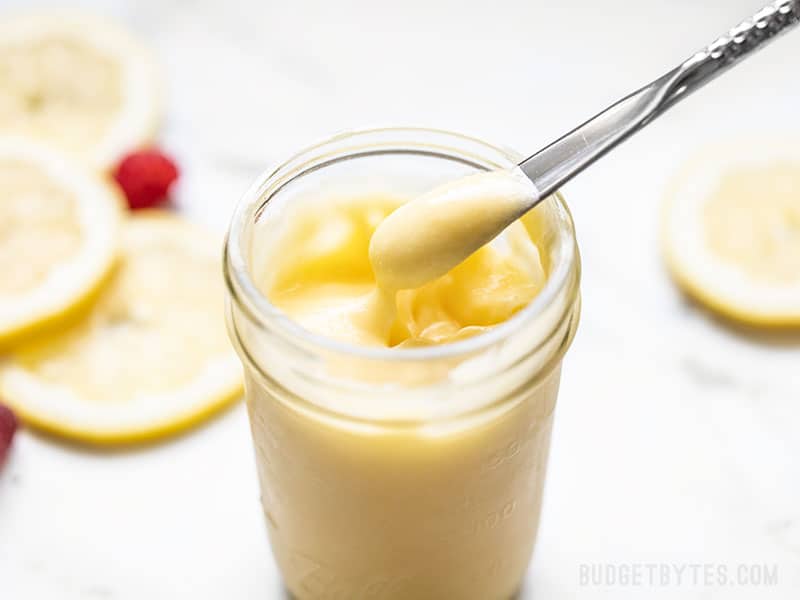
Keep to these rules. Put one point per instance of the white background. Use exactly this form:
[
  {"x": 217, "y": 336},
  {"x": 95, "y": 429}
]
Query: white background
[{"x": 677, "y": 438}]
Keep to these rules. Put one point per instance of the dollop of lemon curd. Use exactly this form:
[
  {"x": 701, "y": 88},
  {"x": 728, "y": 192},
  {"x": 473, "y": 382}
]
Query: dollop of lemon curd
[{"x": 325, "y": 281}]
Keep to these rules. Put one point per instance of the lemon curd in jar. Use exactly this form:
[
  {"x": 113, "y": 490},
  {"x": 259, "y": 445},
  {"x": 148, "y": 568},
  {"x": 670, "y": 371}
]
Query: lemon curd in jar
[
  {"x": 325, "y": 281},
  {"x": 401, "y": 435}
]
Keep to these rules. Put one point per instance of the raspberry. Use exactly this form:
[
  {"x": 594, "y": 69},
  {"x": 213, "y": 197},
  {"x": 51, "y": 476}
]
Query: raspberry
[
  {"x": 8, "y": 425},
  {"x": 146, "y": 177}
]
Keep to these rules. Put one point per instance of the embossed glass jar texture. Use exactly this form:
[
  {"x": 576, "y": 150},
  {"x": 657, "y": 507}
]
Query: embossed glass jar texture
[{"x": 395, "y": 474}]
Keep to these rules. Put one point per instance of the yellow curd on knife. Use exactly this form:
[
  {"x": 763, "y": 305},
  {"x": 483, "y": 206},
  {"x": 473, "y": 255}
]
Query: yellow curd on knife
[{"x": 379, "y": 272}]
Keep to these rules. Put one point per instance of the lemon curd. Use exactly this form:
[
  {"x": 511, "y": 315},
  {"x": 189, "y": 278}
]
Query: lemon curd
[
  {"x": 328, "y": 285},
  {"x": 400, "y": 398}
]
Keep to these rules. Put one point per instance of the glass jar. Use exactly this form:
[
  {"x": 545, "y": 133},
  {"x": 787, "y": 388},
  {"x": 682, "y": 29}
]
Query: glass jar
[{"x": 398, "y": 473}]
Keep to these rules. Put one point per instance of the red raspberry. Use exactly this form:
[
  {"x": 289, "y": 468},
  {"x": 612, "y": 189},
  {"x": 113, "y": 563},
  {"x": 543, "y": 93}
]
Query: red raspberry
[
  {"x": 8, "y": 425},
  {"x": 146, "y": 177}
]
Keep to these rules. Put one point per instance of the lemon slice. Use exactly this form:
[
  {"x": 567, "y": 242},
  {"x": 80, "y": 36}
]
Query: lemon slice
[
  {"x": 731, "y": 231},
  {"x": 150, "y": 359},
  {"x": 58, "y": 230},
  {"x": 79, "y": 83}
]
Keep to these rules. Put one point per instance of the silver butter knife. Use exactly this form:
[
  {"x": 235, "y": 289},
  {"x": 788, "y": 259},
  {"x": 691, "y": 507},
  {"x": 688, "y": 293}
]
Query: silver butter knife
[{"x": 559, "y": 162}]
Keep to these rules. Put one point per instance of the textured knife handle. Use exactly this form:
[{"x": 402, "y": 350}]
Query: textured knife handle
[
  {"x": 744, "y": 39},
  {"x": 751, "y": 33},
  {"x": 559, "y": 162}
]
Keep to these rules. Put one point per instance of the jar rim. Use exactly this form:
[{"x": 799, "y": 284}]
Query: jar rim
[{"x": 244, "y": 291}]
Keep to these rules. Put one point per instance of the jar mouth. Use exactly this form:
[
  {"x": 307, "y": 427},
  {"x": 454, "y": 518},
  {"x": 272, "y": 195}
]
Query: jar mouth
[{"x": 245, "y": 293}]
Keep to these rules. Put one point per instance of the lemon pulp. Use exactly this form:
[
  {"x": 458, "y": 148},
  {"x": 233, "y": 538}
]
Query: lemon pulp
[
  {"x": 731, "y": 231},
  {"x": 59, "y": 89},
  {"x": 158, "y": 308},
  {"x": 151, "y": 357},
  {"x": 38, "y": 222},
  {"x": 752, "y": 220},
  {"x": 78, "y": 83},
  {"x": 58, "y": 227}
]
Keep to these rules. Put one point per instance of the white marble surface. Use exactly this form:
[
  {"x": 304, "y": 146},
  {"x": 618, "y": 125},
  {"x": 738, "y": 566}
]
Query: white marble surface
[{"x": 676, "y": 438}]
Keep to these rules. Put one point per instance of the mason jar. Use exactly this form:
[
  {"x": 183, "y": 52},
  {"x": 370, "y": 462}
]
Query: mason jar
[{"x": 397, "y": 473}]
